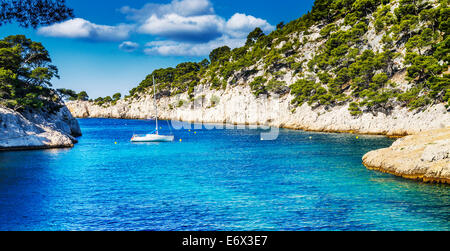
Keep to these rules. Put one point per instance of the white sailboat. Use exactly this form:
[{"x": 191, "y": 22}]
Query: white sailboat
[{"x": 154, "y": 136}]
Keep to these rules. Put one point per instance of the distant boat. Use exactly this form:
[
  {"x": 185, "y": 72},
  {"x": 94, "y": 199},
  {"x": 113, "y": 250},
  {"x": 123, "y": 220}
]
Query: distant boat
[{"x": 154, "y": 136}]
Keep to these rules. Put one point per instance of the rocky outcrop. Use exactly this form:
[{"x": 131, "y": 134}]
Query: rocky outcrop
[
  {"x": 37, "y": 129},
  {"x": 237, "y": 105},
  {"x": 424, "y": 157}
]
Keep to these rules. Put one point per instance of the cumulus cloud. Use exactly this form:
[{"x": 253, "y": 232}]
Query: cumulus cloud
[
  {"x": 232, "y": 33},
  {"x": 180, "y": 20},
  {"x": 185, "y": 8},
  {"x": 180, "y": 28},
  {"x": 191, "y": 21},
  {"x": 240, "y": 25},
  {"x": 129, "y": 46},
  {"x": 81, "y": 28},
  {"x": 183, "y": 28},
  {"x": 172, "y": 48}
]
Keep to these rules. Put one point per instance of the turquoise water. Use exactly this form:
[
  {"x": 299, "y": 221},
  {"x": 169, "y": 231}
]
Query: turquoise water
[{"x": 212, "y": 180}]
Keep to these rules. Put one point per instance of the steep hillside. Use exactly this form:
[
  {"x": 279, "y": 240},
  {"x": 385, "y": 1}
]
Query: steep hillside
[
  {"x": 363, "y": 58},
  {"x": 369, "y": 53}
]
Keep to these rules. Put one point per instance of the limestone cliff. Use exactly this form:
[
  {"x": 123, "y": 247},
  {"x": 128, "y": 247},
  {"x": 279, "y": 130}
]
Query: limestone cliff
[
  {"x": 37, "y": 129},
  {"x": 362, "y": 66},
  {"x": 236, "y": 105},
  {"x": 424, "y": 157}
]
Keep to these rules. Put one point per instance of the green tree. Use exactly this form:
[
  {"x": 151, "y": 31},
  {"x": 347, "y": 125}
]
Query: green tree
[
  {"x": 34, "y": 13},
  {"x": 204, "y": 63},
  {"x": 420, "y": 41},
  {"x": 219, "y": 53},
  {"x": 83, "y": 96},
  {"x": 117, "y": 96},
  {"x": 422, "y": 67},
  {"x": 107, "y": 99},
  {"x": 254, "y": 36},
  {"x": 27, "y": 72},
  {"x": 67, "y": 94},
  {"x": 280, "y": 26}
]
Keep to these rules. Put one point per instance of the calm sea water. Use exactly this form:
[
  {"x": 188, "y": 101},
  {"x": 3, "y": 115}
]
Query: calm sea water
[{"x": 212, "y": 180}]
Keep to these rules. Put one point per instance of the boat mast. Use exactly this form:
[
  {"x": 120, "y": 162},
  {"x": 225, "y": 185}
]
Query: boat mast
[{"x": 156, "y": 105}]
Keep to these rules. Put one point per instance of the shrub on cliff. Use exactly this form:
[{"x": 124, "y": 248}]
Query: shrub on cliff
[{"x": 345, "y": 67}]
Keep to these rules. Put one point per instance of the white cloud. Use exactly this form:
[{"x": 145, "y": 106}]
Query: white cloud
[
  {"x": 185, "y": 8},
  {"x": 172, "y": 48},
  {"x": 232, "y": 33},
  {"x": 129, "y": 46},
  {"x": 183, "y": 27},
  {"x": 240, "y": 25},
  {"x": 180, "y": 28},
  {"x": 191, "y": 21},
  {"x": 81, "y": 28}
]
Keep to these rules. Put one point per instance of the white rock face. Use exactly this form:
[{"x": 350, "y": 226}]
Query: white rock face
[
  {"x": 424, "y": 157},
  {"x": 439, "y": 150},
  {"x": 237, "y": 105},
  {"x": 37, "y": 130}
]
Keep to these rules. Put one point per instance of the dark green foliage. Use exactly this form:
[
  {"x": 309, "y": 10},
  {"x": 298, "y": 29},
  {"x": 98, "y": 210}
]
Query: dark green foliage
[
  {"x": 25, "y": 74},
  {"x": 422, "y": 67},
  {"x": 220, "y": 54},
  {"x": 383, "y": 18},
  {"x": 239, "y": 53},
  {"x": 34, "y": 12},
  {"x": 338, "y": 46},
  {"x": 360, "y": 70},
  {"x": 107, "y": 99},
  {"x": 303, "y": 90},
  {"x": 325, "y": 32},
  {"x": 258, "y": 86},
  {"x": 439, "y": 88},
  {"x": 280, "y": 26},
  {"x": 331, "y": 10},
  {"x": 413, "y": 97},
  {"x": 204, "y": 63},
  {"x": 117, "y": 96},
  {"x": 67, "y": 94},
  {"x": 180, "y": 103},
  {"x": 442, "y": 51},
  {"x": 254, "y": 36},
  {"x": 350, "y": 70},
  {"x": 83, "y": 96},
  {"x": 354, "y": 109},
  {"x": 420, "y": 41},
  {"x": 72, "y": 95},
  {"x": 172, "y": 81},
  {"x": 277, "y": 87}
]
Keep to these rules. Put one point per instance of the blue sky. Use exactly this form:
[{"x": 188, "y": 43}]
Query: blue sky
[{"x": 112, "y": 45}]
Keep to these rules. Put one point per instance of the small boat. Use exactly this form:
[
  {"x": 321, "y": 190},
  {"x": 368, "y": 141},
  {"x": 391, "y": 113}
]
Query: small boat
[{"x": 154, "y": 136}]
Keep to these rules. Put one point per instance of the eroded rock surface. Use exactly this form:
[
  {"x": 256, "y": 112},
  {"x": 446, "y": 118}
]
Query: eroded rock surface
[
  {"x": 424, "y": 157},
  {"x": 37, "y": 129},
  {"x": 237, "y": 105}
]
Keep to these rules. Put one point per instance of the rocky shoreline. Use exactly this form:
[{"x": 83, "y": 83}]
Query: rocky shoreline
[
  {"x": 37, "y": 130},
  {"x": 424, "y": 157},
  {"x": 237, "y": 105}
]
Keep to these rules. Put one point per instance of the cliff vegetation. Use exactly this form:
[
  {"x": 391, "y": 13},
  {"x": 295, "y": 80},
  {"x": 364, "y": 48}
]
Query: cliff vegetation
[{"x": 374, "y": 55}]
